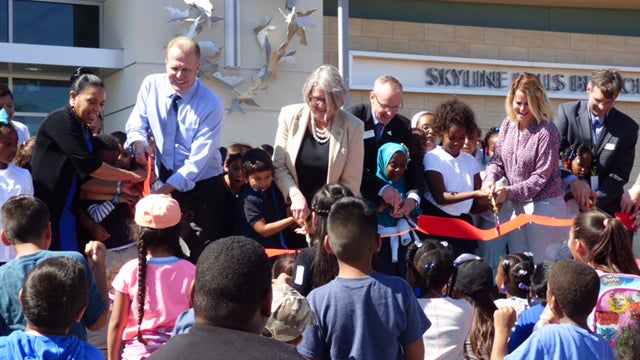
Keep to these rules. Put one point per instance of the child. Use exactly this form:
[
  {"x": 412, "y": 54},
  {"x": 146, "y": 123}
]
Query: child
[
  {"x": 603, "y": 243},
  {"x": 577, "y": 158},
  {"x": 267, "y": 148},
  {"x": 291, "y": 313},
  {"x": 417, "y": 145},
  {"x": 514, "y": 280},
  {"x": 572, "y": 293},
  {"x": 453, "y": 177},
  {"x": 109, "y": 212},
  {"x": 234, "y": 178},
  {"x": 472, "y": 281},
  {"x": 451, "y": 318},
  {"x": 259, "y": 209},
  {"x": 13, "y": 180},
  {"x": 529, "y": 318},
  {"x": 423, "y": 120},
  {"x": 125, "y": 156},
  {"x": 54, "y": 296},
  {"x": 392, "y": 162},
  {"x": 284, "y": 264},
  {"x": 314, "y": 265},
  {"x": 7, "y": 102},
  {"x": 490, "y": 140},
  {"x": 144, "y": 312},
  {"x": 473, "y": 147},
  {"x": 28, "y": 229},
  {"x": 25, "y": 151},
  {"x": 379, "y": 311},
  {"x": 229, "y": 186}
]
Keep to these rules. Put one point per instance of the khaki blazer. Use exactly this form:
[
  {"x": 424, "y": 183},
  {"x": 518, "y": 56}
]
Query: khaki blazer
[{"x": 346, "y": 149}]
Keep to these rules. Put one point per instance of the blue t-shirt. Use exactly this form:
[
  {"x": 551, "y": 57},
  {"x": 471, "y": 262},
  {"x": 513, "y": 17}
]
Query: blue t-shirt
[
  {"x": 253, "y": 205},
  {"x": 12, "y": 276},
  {"x": 526, "y": 322},
  {"x": 19, "y": 345},
  {"x": 563, "y": 342},
  {"x": 184, "y": 322},
  {"x": 367, "y": 318}
]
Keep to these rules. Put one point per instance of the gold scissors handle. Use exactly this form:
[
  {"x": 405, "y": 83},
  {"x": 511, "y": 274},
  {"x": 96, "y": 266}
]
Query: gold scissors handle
[
  {"x": 307, "y": 234},
  {"x": 496, "y": 212}
]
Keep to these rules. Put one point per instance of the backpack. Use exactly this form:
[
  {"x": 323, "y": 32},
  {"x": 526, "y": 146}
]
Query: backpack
[{"x": 617, "y": 312}]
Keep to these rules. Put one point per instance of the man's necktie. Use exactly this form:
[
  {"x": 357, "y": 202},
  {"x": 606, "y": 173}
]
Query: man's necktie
[
  {"x": 379, "y": 130},
  {"x": 169, "y": 134},
  {"x": 597, "y": 128}
]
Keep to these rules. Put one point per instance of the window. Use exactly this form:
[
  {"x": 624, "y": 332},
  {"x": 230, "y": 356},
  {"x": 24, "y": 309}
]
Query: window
[
  {"x": 35, "y": 98},
  {"x": 4, "y": 21},
  {"x": 42, "y": 96},
  {"x": 49, "y": 23}
]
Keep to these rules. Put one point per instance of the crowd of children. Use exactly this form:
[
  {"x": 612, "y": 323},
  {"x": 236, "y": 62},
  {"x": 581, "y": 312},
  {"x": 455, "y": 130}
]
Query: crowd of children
[{"x": 445, "y": 310}]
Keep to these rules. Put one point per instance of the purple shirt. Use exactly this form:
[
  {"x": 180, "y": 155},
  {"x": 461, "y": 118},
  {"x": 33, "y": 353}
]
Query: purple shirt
[{"x": 529, "y": 161}]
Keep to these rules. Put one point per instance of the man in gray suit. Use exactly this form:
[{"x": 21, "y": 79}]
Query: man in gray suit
[{"x": 611, "y": 134}]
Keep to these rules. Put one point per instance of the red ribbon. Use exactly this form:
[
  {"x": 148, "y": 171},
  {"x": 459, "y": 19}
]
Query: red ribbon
[
  {"x": 271, "y": 253},
  {"x": 460, "y": 229},
  {"x": 146, "y": 187}
]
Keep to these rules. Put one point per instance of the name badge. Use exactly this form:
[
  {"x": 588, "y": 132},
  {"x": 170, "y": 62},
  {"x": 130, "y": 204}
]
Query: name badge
[
  {"x": 299, "y": 275},
  {"x": 610, "y": 146},
  {"x": 369, "y": 134},
  {"x": 594, "y": 183}
]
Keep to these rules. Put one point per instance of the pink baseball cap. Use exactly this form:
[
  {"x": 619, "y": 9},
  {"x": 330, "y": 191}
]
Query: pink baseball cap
[{"x": 157, "y": 211}]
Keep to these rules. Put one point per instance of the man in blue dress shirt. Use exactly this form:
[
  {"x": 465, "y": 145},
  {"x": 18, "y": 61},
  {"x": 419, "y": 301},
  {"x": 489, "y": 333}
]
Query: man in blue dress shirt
[{"x": 185, "y": 119}]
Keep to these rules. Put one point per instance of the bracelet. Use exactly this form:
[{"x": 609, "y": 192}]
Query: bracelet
[
  {"x": 118, "y": 185},
  {"x": 116, "y": 199}
]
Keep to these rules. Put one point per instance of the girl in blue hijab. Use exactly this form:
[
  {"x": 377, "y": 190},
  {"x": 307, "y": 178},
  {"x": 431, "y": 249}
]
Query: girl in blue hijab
[{"x": 392, "y": 163}]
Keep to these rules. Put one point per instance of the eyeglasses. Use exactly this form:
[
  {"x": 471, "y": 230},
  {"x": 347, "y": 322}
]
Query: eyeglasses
[
  {"x": 386, "y": 107},
  {"x": 317, "y": 100}
]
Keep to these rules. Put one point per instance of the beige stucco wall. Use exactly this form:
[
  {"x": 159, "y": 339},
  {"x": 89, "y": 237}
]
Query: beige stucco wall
[
  {"x": 141, "y": 29},
  {"x": 485, "y": 43}
]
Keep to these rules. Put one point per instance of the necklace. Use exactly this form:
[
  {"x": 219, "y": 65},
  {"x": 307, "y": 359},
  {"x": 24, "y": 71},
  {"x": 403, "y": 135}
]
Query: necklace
[{"x": 320, "y": 135}]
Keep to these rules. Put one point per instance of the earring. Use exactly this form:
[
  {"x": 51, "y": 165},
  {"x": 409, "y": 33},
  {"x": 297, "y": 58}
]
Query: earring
[{"x": 503, "y": 288}]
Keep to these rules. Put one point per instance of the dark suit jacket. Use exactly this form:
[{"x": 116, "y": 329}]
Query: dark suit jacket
[
  {"x": 398, "y": 130},
  {"x": 614, "y": 153}
]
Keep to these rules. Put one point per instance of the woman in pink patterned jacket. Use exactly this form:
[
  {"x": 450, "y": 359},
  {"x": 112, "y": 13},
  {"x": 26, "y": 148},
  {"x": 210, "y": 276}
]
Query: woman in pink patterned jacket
[{"x": 527, "y": 154}]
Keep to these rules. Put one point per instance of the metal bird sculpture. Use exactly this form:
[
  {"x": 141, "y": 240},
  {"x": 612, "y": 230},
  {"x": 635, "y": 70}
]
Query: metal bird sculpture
[
  {"x": 209, "y": 57},
  {"x": 262, "y": 32},
  {"x": 176, "y": 15},
  {"x": 203, "y": 6}
]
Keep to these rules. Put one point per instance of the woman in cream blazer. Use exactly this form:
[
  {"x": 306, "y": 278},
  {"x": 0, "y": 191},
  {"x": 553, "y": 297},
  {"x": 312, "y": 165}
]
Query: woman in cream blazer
[{"x": 310, "y": 131}]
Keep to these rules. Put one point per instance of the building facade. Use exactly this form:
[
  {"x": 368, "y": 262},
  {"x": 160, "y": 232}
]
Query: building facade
[
  {"x": 43, "y": 42},
  {"x": 471, "y": 49}
]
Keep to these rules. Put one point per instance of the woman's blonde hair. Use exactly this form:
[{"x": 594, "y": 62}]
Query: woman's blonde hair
[{"x": 539, "y": 103}]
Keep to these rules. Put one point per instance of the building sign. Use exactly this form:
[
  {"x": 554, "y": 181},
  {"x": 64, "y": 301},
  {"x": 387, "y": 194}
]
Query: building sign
[{"x": 483, "y": 77}]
